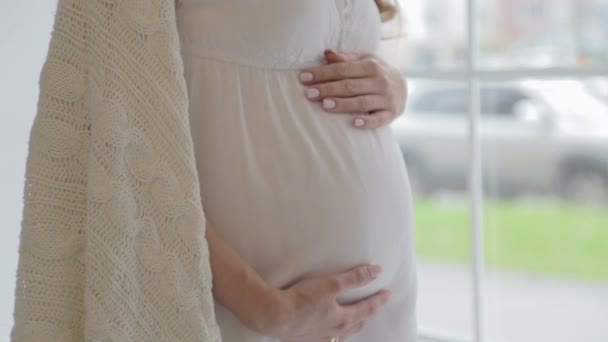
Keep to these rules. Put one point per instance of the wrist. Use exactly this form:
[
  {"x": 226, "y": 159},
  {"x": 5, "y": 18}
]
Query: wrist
[{"x": 269, "y": 311}]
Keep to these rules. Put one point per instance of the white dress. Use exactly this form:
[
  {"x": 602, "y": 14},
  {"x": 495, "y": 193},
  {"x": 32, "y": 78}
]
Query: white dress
[{"x": 296, "y": 190}]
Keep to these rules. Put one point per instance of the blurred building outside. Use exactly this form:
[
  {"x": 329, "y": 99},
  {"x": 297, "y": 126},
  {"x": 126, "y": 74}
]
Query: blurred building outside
[{"x": 530, "y": 33}]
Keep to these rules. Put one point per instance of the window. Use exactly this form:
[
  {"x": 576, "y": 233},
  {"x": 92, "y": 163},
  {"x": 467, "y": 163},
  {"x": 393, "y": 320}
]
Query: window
[
  {"x": 500, "y": 101},
  {"x": 443, "y": 101},
  {"x": 511, "y": 197}
]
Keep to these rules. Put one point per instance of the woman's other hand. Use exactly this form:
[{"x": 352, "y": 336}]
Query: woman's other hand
[
  {"x": 306, "y": 310},
  {"x": 361, "y": 83},
  {"x": 311, "y": 312}
]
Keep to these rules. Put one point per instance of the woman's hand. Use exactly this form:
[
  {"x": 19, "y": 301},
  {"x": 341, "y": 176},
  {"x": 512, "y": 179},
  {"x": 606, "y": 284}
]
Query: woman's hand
[
  {"x": 304, "y": 311},
  {"x": 362, "y": 83},
  {"x": 311, "y": 312}
]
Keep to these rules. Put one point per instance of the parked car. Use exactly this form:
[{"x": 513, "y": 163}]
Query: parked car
[
  {"x": 599, "y": 87},
  {"x": 541, "y": 137}
]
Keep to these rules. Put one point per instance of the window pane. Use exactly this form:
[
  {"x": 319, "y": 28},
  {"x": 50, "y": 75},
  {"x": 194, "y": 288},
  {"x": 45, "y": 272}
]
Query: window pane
[
  {"x": 449, "y": 99},
  {"x": 544, "y": 33},
  {"x": 435, "y": 34},
  {"x": 433, "y": 134},
  {"x": 498, "y": 100},
  {"x": 545, "y": 179},
  {"x": 546, "y": 214},
  {"x": 513, "y": 33}
]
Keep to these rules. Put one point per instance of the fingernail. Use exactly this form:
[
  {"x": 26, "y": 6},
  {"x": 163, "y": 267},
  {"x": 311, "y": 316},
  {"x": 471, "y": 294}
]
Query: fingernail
[
  {"x": 306, "y": 76},
  {"x": 359, "y": 122},
  {"x": 375, "y": 270},
  {"x": 312, "y": 93},
  {"x": 328, "y": 104}
]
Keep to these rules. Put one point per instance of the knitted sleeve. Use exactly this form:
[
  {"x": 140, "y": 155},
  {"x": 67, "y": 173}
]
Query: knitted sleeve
[
  {"x": 112, "y": 243},
  {"x": 50, "y": 275}
]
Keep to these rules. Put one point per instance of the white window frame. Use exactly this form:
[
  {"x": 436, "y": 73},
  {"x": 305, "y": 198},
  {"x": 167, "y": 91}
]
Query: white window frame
[{"x": 473, "y": 74}]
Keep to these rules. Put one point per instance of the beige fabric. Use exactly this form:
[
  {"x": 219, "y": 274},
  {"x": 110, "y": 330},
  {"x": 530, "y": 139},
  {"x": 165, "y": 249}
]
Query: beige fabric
[{"x": 112, "y": 244}]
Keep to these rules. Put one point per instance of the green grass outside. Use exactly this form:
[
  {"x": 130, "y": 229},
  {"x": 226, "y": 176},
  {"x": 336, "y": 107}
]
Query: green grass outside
[{"x": 556, "y": 239}]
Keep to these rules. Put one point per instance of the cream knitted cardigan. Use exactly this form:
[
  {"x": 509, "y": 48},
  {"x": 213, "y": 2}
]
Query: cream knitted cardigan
[{"x": 112, "y": 244}]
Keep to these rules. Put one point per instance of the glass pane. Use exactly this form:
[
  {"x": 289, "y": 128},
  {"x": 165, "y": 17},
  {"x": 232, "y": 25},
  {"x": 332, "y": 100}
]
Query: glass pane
[
  {"x": 598, "y": 86},
  {"x": 435, "y": 34},
  {"x": 435, "y": 123},
  {"x": 544, "y": 33},
  {"x": 545, "y": 146}
]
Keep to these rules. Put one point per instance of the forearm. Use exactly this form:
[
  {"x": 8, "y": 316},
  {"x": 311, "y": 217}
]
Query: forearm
[{"x": 238, "y": 287}]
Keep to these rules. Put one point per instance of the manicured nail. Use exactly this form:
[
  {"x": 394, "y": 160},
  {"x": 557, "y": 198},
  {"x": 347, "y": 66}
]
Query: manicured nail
[
  {"x": 375, "y": 270},
  {"x": 306, "y": 76},
  {"x": 359, "y": 122},
  {"x": 311, "y": 93},
  {"x": 328, "y": 104}
]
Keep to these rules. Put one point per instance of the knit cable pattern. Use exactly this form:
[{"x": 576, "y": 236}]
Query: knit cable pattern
[{"x": 112, "y": 244}]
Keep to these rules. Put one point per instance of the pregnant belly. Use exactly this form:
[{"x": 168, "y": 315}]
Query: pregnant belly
[{"x": 295, "y": 190}]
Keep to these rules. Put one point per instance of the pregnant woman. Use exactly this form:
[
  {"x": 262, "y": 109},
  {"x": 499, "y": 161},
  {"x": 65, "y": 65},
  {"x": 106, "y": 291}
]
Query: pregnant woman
[{"x": 296, "y": 197}]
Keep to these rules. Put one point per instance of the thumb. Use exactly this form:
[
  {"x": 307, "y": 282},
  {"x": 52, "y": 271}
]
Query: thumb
[{"x": 333, "y": 56}]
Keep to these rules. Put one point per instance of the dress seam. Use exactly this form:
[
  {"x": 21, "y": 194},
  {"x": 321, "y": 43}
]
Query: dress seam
[{"x": 237, "y": 63}]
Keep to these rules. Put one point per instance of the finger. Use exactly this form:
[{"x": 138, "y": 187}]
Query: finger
[
  {"x": 347, "y": 88},
  {"x": 347, "y": 328},
  {"x": 352, "y": 56},
  {"x": 341, "y": 70},
  {"x": 357, "y": 104},
  {"x": 366, "y": 308},
  {"x": 355, "y": 277},
  {"x": 354, "y": 329},
  {"x": 374, "y": 120},
  {"x": 333, "y": 56}
]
